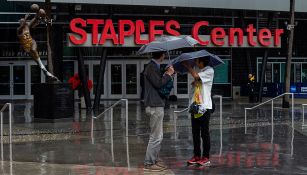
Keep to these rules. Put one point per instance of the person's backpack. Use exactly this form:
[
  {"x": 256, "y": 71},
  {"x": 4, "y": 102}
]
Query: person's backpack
[{"x": 165, "y": 90}]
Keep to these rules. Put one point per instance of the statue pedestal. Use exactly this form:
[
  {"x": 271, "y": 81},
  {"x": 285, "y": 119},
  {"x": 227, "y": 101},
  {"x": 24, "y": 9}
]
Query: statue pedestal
[{"x": 53, "y": 102}]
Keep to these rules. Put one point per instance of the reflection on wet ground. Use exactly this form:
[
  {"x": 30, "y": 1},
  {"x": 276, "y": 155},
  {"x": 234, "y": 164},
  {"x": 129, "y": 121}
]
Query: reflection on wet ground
[{"x": 67, "y": 147}]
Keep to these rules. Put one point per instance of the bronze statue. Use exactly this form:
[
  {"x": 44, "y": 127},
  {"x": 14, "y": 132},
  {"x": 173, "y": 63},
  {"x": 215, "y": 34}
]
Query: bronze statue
[{"x": 28, "y": 43}]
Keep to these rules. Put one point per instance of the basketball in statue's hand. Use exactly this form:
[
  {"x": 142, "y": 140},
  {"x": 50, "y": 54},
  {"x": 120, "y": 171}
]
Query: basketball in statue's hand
[
  {"x": 42, "y": 12},
  {"x": 34, "y": 7}
]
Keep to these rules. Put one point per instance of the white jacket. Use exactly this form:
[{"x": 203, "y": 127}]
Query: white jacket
[{"x": 206, "y": 76}]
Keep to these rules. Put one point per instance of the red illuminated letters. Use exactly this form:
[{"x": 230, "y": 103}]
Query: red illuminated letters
[
  {"x": 195, "y": 31},
  {"x": 217, "y": 36},
  {"x": 105, "y": 33},
  {"x": 95, "y": 23},
  {"x": 143, "y": 34},
  {"x": 78, "y": 31},
  {"x": 264, "y": 37},
  {"x": 169, "y": 29},
  {"x": 123, "y": 32},
  {"x": 152, "y": 29}
]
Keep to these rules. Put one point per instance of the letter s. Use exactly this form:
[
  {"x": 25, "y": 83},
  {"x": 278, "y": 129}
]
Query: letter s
[{"x": 82, "y": 33}]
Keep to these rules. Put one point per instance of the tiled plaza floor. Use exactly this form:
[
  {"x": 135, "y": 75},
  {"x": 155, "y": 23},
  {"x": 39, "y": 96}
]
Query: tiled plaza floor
[{"x": 66, "y": 147}]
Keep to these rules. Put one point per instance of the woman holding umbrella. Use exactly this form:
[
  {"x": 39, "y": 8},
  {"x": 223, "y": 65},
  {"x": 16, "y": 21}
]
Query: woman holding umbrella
[
  {"x": 200, "y": 101},
  {"x": 200, "y": 109}
]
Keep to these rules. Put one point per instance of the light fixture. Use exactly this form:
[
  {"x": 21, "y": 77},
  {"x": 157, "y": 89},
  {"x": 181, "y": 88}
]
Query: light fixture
[{"x": 78, "y": 7}]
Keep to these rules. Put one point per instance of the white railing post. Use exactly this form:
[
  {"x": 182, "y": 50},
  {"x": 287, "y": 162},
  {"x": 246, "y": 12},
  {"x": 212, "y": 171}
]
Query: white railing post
[
  {"x": 303, "y": 122},
  {"x": 112, "y": 146},
  {"x": 175, "y": 125},
  {"x": 272, "y": 112},
  {"x": 292, "y": 110},
  {"x": 92, "y": 128},
  {"x": 221, "y": 126},
  {"x": 127, "y": 134},
  {"x": 245, "y": 121},
  {"x": 2, "y": 136},
  {"x": 10, "y": 122},
  {"x": 127, "y": 114},
  {"x": 221, "y": 112}
]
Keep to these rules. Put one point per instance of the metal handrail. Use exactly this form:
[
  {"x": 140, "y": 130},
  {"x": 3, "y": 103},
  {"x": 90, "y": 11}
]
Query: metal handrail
[
  {"x": 272, "y": 109},
  {"x": 221, "y": 120},
  {"x": 7, "y": 105},
  {"x": 303, "y": 122},
  {"x": 112, "y": 145},
  {"x": 111, "y": 108}
]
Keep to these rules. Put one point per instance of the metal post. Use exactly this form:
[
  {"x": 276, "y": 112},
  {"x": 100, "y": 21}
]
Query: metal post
[
  {"x": 303, "y": 116},
  {"x": 127, "y": 118},
  {"x": 272, "y": 112},
  {"x": 10, "y": 120},
  {"x": 92, "y": 129},
  {"x": 292, "y": 125},
  {"x": 245, "y": 121},
  {"x": 2, "y": 136},
  {"x": 221, "y": 109},
  {"x": 221, "y": 126},
  {"x": 175, "y": 126},
  {"x": 112, "y": 147},
  {"x": 292, "y": 110},
  {"x": 127, "y": 134}
]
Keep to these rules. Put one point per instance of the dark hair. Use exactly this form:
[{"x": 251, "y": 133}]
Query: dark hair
[
  {"x": 157, "y": 55},
  {"x": 204, "y": 60}
]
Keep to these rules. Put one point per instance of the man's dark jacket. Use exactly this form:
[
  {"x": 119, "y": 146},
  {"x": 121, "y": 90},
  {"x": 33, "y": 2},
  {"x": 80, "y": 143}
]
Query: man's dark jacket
[{"x": 153, "y": 82}]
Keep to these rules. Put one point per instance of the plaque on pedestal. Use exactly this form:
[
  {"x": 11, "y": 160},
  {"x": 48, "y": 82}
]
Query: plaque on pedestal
[{"x": 53, "y": 102}]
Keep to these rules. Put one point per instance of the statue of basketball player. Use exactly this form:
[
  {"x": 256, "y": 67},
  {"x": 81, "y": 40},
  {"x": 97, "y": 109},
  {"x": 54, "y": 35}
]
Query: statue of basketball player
[{"x": 28, "y": 43}]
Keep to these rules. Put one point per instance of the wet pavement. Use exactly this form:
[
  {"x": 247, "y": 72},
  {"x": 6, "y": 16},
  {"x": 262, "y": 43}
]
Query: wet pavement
[{"x": 67, "y": 147}]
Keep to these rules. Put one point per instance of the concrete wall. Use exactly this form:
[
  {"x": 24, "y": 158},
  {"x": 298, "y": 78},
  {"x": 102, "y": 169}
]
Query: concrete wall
[{"x": 274, "y": 5}]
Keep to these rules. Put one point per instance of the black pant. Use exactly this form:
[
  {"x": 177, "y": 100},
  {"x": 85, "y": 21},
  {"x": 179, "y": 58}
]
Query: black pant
[{"x": 200, "y": 128}]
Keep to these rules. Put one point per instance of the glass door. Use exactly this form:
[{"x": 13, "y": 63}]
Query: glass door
[
  {"x": 19, "y": 81},
  {"x": 115, "y": 79},
  {"x": 123, "y": 79},
  {"x": 132, "y": 79},
  {"x": 5, "y": 81},
  {"x": 13, "y": 80}
]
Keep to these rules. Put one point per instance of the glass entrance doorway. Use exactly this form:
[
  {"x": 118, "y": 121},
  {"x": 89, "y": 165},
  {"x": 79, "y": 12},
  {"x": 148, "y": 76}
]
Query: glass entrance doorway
[
  {"x": 13, "y": 80},
  {"x": 123, "y": 79}
]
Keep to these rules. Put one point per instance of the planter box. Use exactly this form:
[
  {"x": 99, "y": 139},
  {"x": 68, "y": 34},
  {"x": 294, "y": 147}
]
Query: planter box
[{"x": 53, "y": 102}]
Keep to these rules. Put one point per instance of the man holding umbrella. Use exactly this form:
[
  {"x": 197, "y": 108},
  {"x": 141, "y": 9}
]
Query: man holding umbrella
[
  {"x": 157, "y": 88},
  {"x": 155, "y": 109}
]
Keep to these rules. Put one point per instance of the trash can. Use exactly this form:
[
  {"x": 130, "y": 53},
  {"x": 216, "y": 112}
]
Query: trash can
[{"x": 236, "y": 92}]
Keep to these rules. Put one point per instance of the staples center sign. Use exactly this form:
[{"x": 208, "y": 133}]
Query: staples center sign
[{"x": 130, "y": 33}]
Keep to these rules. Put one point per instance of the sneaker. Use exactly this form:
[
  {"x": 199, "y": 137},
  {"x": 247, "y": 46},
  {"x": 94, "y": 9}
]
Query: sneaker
[
  {"x": 204, "y": 162},
  {"x": 153, "y": 168},
  {"x": 160, "y": 163},
  {"x": 193, "y": 160}
]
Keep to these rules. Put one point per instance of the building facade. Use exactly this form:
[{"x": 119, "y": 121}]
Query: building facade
[{"x": 123, "y": 67}]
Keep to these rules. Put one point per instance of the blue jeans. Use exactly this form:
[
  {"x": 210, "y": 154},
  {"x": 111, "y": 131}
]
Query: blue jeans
[{"x": 156, "y": 115}]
